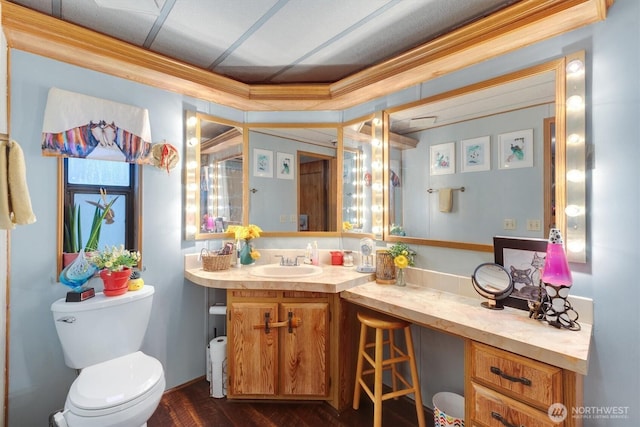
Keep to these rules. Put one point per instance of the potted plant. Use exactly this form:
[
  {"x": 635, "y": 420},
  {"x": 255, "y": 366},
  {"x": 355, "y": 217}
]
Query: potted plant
[
  {"x": 403, "y": 257},
  {"x": 72, "y": 241},
  {"x": 115, "y": 264}
]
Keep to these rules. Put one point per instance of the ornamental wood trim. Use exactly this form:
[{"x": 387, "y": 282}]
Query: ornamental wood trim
[{"x": 522, "y": 24}]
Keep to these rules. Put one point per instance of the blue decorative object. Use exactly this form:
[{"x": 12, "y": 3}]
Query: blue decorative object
[
  {"x": 76, "y": 274},
  {"x": 245, "y": 254}
]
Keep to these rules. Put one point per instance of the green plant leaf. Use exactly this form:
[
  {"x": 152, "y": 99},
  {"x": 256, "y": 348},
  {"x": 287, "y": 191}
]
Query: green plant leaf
[{"x": 98, "y": 216}]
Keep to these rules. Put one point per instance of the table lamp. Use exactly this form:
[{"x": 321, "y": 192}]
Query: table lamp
[{"x": 557, "y": 280}]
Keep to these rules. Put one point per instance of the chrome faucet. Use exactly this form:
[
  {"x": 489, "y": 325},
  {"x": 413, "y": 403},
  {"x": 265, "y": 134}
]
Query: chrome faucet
[{"x": 289, "y": 262}]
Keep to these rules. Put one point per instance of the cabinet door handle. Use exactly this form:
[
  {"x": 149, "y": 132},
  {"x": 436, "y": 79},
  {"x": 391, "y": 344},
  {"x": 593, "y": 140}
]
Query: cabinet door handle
[
  {"x": 523, "y": 380},
  {"x": 291, "y": 322},
  {"x": 504, "y": 422}
]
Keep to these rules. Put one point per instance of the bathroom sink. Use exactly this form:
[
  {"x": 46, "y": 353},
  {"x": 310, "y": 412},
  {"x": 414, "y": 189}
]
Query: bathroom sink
[{"x": 285, "y": 271}]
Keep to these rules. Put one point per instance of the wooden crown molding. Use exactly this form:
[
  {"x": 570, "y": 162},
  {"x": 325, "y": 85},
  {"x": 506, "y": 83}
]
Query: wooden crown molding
[{"x": 522, "y": 24}]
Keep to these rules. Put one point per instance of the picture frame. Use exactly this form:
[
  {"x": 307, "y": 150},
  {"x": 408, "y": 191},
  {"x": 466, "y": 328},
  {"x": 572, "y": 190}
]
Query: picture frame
[
  {"x": 262, "y": 163},
  {"x": 515, "y": 149},
  {"x": 475, "y": 154},
  {"x": 523, "y": 258},
  {"x": 442, "y": 159},
  {"x": 285, "y": 164},
  {"x": 303, "y": 222}
]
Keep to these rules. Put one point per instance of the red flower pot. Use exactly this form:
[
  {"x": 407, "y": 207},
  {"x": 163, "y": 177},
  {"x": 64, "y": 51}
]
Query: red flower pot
[{"x": 115, "y": 282}]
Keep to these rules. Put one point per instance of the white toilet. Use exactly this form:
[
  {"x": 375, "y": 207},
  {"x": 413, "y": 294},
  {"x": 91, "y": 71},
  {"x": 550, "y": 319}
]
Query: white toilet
[{"x": 118, "y": 385}]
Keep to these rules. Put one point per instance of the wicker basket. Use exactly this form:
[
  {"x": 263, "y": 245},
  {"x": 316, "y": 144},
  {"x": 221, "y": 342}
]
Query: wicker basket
[{"x": 214, "y": 261}]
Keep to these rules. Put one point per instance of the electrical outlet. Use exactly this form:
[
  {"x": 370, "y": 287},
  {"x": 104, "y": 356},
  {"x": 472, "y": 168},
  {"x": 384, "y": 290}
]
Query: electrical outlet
[
  {"x": 293, "y": 218},
  {"x": 509, "y": 224},
  {"x": 534, "y": 225},
  {"x": 283, "y": 218}
]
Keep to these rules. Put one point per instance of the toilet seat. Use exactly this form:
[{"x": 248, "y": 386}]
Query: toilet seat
[{"x": 115, "y": 385}]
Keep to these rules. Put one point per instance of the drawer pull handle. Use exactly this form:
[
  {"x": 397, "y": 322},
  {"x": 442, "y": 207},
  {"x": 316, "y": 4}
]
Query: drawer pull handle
[
  {"x": 523, "y": 380},
  {"x": 504, "y": 422}
]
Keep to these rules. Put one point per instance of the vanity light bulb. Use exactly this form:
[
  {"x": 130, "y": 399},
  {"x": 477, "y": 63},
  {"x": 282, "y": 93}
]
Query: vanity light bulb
[
  {"x": 191, "y": 187},
  {"x": 575, "y": 175},
  {"x": 193, "y": 141},
  {"x": 574, "y": 138},
  {"x": 376, "y": 142},
  {"x": 376, "y": 229},
  {"x": 575, "y": 66},
  {"x": 573, "y": 210},
  {"x": 377, "y": 122},
  {"x": 574, "y": 102},
  {"x": 191, "y": 229},
  {"x": 192, "y": 165},
  {"x": 190, "y": 208},
  {"x": 377, "y": 186},
  {"x": 575, "y": 245},
  {"x": 192, "y": 120}
]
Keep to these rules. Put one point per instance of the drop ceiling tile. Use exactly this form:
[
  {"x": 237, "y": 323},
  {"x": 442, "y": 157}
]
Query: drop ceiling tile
[{"x": 198, "y": 31}]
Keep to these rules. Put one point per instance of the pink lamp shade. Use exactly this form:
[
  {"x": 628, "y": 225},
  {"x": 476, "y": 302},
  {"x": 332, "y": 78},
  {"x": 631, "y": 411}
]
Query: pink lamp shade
[{"x": 556, "y": 268}]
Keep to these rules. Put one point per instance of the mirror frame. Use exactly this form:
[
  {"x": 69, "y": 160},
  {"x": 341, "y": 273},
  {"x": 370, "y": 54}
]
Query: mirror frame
[
  {"x": 192, "y": 174},
  {"x": 337, "y": 203},
  {"x": 558, "y": 67}
]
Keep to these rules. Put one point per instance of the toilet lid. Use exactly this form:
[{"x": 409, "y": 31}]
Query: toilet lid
[{"x": 115, "y": 381}]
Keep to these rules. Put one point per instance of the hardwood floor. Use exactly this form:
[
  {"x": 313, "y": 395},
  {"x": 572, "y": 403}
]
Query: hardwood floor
[{"x": 191, "y": 406}]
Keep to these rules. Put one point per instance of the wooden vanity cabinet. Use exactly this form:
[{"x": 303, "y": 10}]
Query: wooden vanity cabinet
[
  {"x": 280, "y": 343},
  {"x": 505, "y": 389}
]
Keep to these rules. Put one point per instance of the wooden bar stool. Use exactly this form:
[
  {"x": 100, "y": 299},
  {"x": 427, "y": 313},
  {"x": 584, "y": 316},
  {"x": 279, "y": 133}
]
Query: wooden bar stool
[{"x": 379, "y": 364}]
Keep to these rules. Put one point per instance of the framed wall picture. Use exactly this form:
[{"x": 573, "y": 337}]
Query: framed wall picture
[
  {"x": 524, "y": 260},
  {"x": 476, "y": 154},
  {"x": 284, "y": 165},
  {"x": 262, "y": 163},
  {"x": 515, "y": 149},
  {"x": 442, "y": 159}
]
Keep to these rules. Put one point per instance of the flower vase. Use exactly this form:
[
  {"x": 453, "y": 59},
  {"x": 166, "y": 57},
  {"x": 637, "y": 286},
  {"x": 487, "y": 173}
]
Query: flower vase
[
  {"x": 245, "y": 254},
  {"x": 115, "y": 282},
  {"x": 400, "y": 280}
]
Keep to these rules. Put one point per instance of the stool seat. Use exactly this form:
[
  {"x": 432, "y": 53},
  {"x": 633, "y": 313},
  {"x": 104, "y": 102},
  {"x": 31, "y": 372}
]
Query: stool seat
[{"x": 378, "y": 363}]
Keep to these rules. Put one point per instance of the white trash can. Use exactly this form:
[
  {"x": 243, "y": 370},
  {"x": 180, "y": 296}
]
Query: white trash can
[{"x": 448, "y": 410}]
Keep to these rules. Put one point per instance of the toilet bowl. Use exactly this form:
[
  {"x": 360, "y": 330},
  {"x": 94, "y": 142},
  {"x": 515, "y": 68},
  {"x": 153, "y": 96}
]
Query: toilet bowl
[{"x": 122, "y": 392}]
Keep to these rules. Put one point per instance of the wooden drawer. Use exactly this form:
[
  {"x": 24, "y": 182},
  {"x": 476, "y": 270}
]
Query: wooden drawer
[
  {"x": 492, "y": 409},
  {"x": 534, "y": 382}
]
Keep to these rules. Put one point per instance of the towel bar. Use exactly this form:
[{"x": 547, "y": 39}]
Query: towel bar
[{"x": 431, "y": 190}]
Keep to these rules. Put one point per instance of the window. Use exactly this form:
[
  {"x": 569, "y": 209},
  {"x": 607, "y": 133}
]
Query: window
[{"x": 82, "y": 182}]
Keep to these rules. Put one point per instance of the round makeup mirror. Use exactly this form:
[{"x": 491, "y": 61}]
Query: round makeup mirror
[{"x": 493, "y": 282}]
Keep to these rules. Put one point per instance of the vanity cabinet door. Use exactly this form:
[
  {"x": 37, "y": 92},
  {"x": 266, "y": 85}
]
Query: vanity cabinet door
[
  {"x": 305, "y": 350},
  {"x": 252, "y": 353}
]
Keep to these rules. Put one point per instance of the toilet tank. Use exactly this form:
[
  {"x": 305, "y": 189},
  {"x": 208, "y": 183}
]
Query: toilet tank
[{"x": 102, "y": 328}]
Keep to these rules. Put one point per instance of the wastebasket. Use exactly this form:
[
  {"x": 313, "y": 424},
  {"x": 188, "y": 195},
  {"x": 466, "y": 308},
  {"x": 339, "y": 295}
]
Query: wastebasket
[{"x": 448, "y": 410}]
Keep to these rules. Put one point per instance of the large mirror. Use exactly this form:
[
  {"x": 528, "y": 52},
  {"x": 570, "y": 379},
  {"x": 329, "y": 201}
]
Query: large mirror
[
  {"x": 293, "y": 177},
  {"x": 215, "y": 175},
  {"x": 481, "y": 164}
]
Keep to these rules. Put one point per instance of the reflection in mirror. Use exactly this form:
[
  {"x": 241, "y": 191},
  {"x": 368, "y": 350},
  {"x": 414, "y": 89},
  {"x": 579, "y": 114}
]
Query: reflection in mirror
[
  {"x": 479, "y": 130},
  {"x": 215, "y": 175},
  {"x": 357, "y": 177},
  {"x": 293, "y": 177}
]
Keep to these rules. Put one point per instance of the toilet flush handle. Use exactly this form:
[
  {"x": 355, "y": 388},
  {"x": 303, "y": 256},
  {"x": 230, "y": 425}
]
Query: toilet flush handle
[{"x": 67, "y": 319}]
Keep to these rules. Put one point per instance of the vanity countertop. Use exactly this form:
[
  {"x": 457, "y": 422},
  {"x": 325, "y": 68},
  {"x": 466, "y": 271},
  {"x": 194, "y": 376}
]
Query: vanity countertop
[
  {"x": 333, "y": 279},
  {"x": 509, "y": 329}
]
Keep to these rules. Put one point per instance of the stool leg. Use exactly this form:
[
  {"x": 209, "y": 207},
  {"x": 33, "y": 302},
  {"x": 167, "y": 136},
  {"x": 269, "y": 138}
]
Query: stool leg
[
  {"x": 361, "y": 347},
  {"x": 414, "y": 377},
  {"x": 392, "y": 354},
  {"x": 377, "y": 402}
]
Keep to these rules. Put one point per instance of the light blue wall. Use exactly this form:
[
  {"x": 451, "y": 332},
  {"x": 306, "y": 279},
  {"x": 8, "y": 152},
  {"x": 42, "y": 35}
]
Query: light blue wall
[
  {"x": 175, "y": 336},
  {"x": 176, "y": 330}
]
